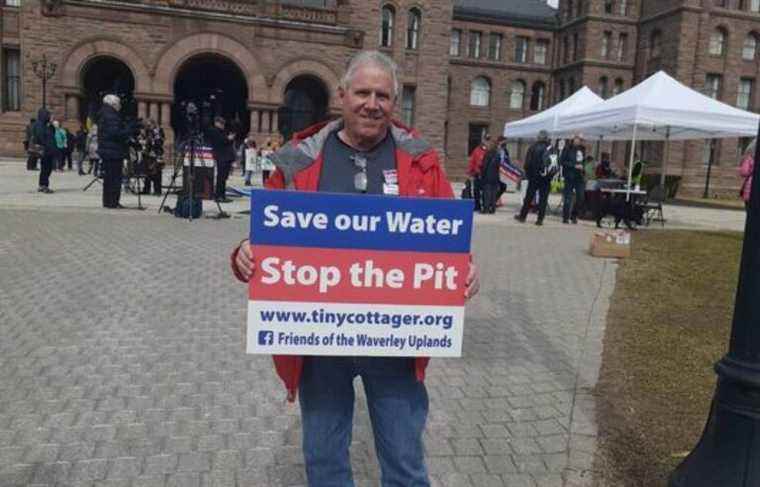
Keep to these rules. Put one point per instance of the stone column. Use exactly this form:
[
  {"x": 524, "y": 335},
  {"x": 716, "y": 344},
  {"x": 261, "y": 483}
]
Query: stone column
[
  {"x": 166, "y": 114},
  {"x": 72, "y": 107},
  {"x": 153, "y": 110},
  {"x": 254, "y": 122},
  {"x": 273, "y": 121},
  {"x": 142, "y": 109}
]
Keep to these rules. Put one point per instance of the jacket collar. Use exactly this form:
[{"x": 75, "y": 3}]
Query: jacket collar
[{"x": 306, "y": 146}]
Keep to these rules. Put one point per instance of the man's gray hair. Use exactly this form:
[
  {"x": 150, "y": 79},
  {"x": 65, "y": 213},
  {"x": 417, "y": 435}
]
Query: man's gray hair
[
  {"x": 374, "y": 58},
  {"x": 112, "y": 100}
]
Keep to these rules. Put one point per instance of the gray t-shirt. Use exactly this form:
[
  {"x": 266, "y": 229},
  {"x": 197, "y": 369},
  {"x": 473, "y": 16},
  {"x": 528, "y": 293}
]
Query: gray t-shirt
[{"x": 339, "y": 169}]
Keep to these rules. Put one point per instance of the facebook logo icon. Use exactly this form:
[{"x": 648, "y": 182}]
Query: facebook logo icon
[{"x": 266, "y": 337}]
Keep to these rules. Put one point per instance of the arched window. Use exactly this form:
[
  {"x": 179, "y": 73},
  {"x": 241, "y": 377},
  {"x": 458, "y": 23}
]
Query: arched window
[
  {"x": 562, "y": 93},
  {"x": 386, "y": 30},
  {"x": 537, "y": 95},
  {"x": 604, "y": 87},
  {"x": 750, "y": 47},
  {"x": 718, "y": 41},
  {"x": 517, "y": 95},
  {"x": 580, "y": 8},
  {"x": 619, "y": 86},
  {"x": 570, "y": 86},
  {"x": 623, "y": 7},
  {"x": 413, "y": 28},
  {"x": 569, "y": 9},
  {"x": 655, "y": 44},
  {"x": 480, "y": 92}
]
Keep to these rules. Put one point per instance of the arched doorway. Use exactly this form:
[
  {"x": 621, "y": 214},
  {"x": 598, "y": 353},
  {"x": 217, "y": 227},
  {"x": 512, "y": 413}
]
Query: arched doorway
[
  {"x": 217, "y": 87},
  {"x": 305, "y": 104},
  {"x": 107, "y": 75}
]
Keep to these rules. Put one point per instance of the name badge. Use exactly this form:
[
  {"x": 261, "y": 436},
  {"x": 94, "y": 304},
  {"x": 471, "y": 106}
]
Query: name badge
[
  {"x": 390, "y": 176},
  {"x": 390, "y": 189}
]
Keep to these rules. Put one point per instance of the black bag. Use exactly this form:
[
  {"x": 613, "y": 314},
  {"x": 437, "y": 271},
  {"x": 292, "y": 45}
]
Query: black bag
[
  {"x": 185, "y": 206},
  {"x": 467, "y": 190}
]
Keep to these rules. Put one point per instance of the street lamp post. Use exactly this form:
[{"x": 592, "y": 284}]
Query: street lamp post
[
  {"x": 728, "y": 454},
  {"x": 44, "y": 70}
]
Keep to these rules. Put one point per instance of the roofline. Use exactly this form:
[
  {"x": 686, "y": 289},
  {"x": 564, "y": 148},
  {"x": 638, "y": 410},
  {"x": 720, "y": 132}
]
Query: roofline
[{"x": 503, "y": 18}]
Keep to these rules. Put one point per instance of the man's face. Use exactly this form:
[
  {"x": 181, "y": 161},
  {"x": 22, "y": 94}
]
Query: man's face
[
  {"x": 219, "y": 124},
  {"x": 577, "y": 140},
  {"x": 368, "y": 103}
]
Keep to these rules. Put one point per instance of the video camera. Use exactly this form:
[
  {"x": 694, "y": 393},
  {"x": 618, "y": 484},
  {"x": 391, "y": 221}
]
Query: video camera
[{"x": 197, "y": 114}]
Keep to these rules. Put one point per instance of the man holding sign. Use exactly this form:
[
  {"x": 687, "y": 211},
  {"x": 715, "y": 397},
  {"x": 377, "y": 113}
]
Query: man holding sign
[{"x": 362, "y": 153}]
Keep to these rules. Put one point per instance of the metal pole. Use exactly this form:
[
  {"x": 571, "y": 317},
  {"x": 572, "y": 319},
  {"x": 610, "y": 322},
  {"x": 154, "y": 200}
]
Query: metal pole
[
  {"x": 665, "y": 158},
  {"x": 630, "y": 166},
  {"x": 728, "y": 455},
  {"x": 44, "y": 91}
]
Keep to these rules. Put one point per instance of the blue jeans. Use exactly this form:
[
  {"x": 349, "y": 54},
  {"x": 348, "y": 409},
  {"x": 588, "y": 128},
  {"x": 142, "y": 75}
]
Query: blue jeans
[
  {"x": 398, "y": 408},
  {"x": 569, "y": 207}
]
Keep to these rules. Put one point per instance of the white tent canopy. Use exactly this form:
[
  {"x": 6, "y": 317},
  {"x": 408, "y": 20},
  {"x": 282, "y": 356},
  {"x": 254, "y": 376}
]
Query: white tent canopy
[
  {"x": 552, "y": 118},
  {"x": 661, "y": 108}
]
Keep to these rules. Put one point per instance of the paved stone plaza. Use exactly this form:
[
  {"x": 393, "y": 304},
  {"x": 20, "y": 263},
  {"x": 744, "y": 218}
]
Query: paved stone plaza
[{"x": 122, "y": 364}]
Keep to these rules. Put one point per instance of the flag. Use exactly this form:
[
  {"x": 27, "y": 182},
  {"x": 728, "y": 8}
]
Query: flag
[{"x": 508, "y": 171}]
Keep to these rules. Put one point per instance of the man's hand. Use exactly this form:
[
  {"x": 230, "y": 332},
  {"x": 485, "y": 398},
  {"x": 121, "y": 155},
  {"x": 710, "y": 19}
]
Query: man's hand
[
  {"x": 579, "y": 167},
  {"x": 472, "y": 283},
  {"x": 244, "y": 260}
]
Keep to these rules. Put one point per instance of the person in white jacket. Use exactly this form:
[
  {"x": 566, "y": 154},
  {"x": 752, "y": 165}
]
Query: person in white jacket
[
  {"x": 91, "y": 148},
  {"x": 250, "y": 159}
]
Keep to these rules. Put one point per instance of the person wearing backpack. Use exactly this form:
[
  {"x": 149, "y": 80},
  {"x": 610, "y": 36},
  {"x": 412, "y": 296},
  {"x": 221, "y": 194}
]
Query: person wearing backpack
[
  {"x": 43, "y": 144},
  {"x": 539, "y": 171}
]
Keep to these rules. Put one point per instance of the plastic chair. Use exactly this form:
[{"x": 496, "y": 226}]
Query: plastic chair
[{"x": 653, "y": 206}]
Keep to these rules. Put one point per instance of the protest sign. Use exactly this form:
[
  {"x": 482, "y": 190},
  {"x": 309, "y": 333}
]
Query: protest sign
[{"x": 357, "y": 274}]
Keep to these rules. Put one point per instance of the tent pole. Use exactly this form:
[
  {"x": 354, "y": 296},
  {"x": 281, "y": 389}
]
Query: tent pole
[
  {"x": 665, "y": 158},
  {"x": 630, "y": 166}
]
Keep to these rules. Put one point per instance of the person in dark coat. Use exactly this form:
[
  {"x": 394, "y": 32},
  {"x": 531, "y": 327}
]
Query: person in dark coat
[
  {"x": 43, "y": 137},
  {"x": 31, "y": 160},
  {"x": 539, "y": 172},
  {"x": 221, "y": 142},
  {"x": 112, "y": 149},
  {"x": 489, "y": 177},
  {"x": 572, "y": 159},
  {"x": 79, "y": 144}
]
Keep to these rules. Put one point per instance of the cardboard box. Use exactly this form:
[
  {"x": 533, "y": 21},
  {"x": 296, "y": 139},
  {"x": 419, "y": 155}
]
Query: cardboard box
[{"x": 615, "y": 244}]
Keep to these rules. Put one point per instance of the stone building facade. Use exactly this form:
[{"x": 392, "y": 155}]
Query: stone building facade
[
  {"x": 468, "y": 66},
  {"x": 709, "y": 45}
]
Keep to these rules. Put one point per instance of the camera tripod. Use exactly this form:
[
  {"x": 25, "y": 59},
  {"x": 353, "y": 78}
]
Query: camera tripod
[
  {"x": 98, "y": 178},
  {"x": 187, "y": 149}
]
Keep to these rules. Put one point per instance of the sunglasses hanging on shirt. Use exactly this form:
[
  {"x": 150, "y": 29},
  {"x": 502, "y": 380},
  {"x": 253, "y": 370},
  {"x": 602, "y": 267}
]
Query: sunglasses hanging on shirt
[{"x": 360, "y": 178}]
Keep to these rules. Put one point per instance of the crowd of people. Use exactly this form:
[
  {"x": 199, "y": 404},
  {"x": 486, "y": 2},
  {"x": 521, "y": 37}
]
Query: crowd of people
[
  {"x": 564, "y": 165},
  {"x": 115, "y": 150}
]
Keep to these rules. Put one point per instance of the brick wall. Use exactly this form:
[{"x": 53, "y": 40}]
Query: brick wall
[{"x": 463, "y": 69}]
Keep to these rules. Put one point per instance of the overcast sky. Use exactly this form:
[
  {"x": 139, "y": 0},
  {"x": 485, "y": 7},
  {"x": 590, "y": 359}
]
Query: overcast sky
[{"x": 553, "y": 3}]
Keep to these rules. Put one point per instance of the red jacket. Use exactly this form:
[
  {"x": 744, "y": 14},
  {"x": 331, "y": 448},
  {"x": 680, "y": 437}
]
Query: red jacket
[
  {"x": 299, "y": 165},
  {"x": 745, "y": 171},
  {"x": 476, "y": 160}
]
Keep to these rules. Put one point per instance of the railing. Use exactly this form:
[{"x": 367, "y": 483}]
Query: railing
[
  {"x": 308, "y": 14},
  {"x": 238, "y": 7},
  {"x": 258, "y": 8}
]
